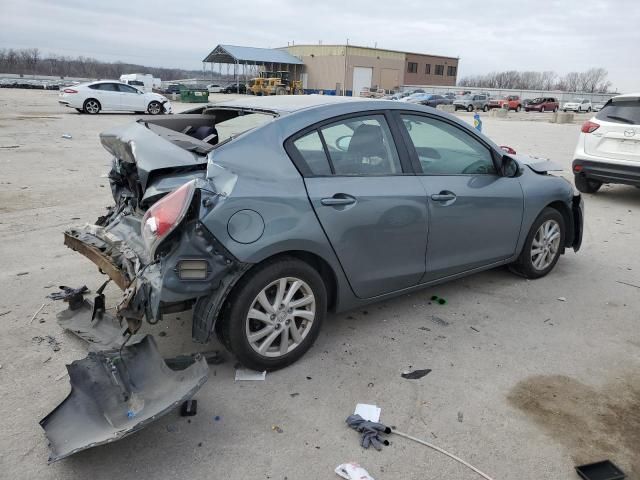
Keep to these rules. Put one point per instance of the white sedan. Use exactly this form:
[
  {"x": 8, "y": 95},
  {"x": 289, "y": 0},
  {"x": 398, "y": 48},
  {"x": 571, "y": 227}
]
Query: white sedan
[
  {"x": 578, "y": 105},
  {"x": 215, "y": 88},
  {"x": 112, "y": 96}
]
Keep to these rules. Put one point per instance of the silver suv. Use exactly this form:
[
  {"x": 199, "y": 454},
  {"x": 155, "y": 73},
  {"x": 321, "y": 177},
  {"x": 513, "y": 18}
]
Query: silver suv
[{"x": 472, "y": 102}]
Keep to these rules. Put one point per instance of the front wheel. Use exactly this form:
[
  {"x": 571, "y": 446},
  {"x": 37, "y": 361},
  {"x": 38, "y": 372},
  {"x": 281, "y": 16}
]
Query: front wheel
[
  {"x": 154, "y": 108},
  {"x": 555, "y": 110},
  {"x": 274, "y": 314},
  {"x": 470, "y": 108},
  {"x": 543, "y": 245},
  {"x": 518, "y": 108},
  {"x": 585, "y": 185},
  {"x": 541, "y": 109},
  {"x": 485, "y": 108}
]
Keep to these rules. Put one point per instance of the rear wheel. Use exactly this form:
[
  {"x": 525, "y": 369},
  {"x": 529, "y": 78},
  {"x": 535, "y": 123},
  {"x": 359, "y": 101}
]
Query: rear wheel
[
  {"x": 274, "y": 314},
  {"x": 585, "y": 185},
  {"x": 154, "y": 108},
  {"x": 91, "y": 106},
  {"x": 543, "y": 245},
  {"x": 485, "y": 108}
]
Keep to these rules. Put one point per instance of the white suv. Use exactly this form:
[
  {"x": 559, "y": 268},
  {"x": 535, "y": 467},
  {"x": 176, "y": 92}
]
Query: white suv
[
  {"x": 578, "y": 105},
  {"x": 608, "y": 149}
]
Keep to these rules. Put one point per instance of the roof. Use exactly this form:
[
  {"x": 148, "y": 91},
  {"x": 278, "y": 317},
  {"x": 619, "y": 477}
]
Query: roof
[
  {"x": 288, "y": 103},
  {"x": 250, "y": 56},
  {"x": 626, "y": 96},
  {"x": 369, "y": 48}
]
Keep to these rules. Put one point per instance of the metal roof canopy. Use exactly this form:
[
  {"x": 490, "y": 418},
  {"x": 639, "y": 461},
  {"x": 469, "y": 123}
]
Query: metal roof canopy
[{"x": 250, "y": 56}]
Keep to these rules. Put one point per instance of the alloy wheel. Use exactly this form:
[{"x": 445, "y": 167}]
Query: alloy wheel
[
  {"x": 280, "y": 317},
  {"x": 91, "y": 106},
  {"x": 545, "y": 245},
  {"x": 155, "y": 108}
]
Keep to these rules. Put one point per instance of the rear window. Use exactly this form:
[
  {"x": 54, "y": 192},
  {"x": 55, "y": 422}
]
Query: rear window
[
  {"x": 235, "y": 126},
  {"x": 627, "y": 112}
]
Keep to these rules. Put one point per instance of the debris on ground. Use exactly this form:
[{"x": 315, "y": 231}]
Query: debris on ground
[
  {"x": 370, "y": 413},
  {"x": 460, "y": 416},
  {"x": 20, "y": 274},
  {"x": 242, "y": 374},
  {"x": 628, "y": 284},
  {"x": 67, "y": 136},
  {"x": 474, "y": 329},
  {"x": 276, "y": 428},
  {"x": 162, "y": 334},
  {"x": 181, "y": 362},
  {"x": 439, "y": 321},
  {"x": 604, "y": 470},
  {"x": 189, "y": 408},
  {"x": 352, "y": 471},
  {"x": 415, "y": 374},
  {"x": 73, "y": 296},
  {"x": 37, "y": 312},
  {"x": 2, "y": 314},
  {"x": 370, "y": 431},
  {"x": 51, "y": 341},
  {"x": 562, "y": 299},
  {"x": 438, "y": 300},
  {"x": 294, "y": 394}
]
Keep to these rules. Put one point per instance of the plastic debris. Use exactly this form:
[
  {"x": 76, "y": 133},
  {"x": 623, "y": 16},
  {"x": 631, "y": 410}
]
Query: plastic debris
[
  {"x": 562, "y": 299},
  {"x": 368, "y": 412},
  {"x": 67, "y": 136},
  {"x": 242, "y": 374},
  {"x": 276, "y": 428},
  {"x": 415, "y": 374},
  {"x": 353, "y": 471},
  {"x": 189, "y": 408}
]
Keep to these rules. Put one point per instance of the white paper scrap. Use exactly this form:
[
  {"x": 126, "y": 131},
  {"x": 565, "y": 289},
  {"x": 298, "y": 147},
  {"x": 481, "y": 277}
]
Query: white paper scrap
[
  {"x": 244, "y": 374},
  {"x": 368, "y": 412},
  {"x": 353, "y": 471}
]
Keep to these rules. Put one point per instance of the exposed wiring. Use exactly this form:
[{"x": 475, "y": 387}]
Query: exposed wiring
[{"x": 444, "y": 452}]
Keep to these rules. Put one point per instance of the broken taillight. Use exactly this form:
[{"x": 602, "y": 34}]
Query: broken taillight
[
  {"x": 70, "y": 90},
  {"x": 589, "y": 127},
  {"x": 165, "y": 215}
]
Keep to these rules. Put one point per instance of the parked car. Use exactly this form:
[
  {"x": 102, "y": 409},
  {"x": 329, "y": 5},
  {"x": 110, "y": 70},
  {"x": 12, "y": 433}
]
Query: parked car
[
  {"x": 578, "y": 105},
  {"x": 235, "y": 88},
  {"x": 608, "y": 149},
  {"x": 597, "y": 106},
  {"x": 173, "y": 88},
  {"x": 263, "y": 214},
  {"x": 432, "y": 100},
  {"x": 510, "y": 102},
  {"x": 472, "y": 102},
  {"x": 449, "y": 95},
  {"x": 215, "y": 88},
  {"x": 409, "y": 98},
  {"x": 109, "y": 96},
  {"x": 542, "y": 104}
]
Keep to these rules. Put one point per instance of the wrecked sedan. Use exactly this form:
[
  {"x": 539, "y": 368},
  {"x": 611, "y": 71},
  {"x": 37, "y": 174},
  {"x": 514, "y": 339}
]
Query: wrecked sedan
[{"x": 260, "y": 215}]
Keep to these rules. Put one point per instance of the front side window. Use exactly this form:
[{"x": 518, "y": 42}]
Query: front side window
[
  {"x": 444, "y": 149},
  {"x": 127, "y": 89},
  {"x": 362, "y": 146}
]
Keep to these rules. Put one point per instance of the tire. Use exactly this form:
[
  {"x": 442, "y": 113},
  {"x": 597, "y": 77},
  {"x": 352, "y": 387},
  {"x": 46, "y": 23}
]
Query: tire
[
  {"x": 485, "y": 108},
  {"x": 518, "y": 108},
  {"x": 154, "y": 108},
  {"x": 565, "y": 110},
  {"x": 555, "y": 110},
  {"x": 589, "y": 110},
  {"x": 541, "y": 109},
  {"x": 267, "y": 280},
  {"x": 281, "y": 91},
  {"x": 470, "y": 108},
  {"x": 547, "y": 236},
  {"x": 585, "y": 185},
  {"x": 91, "y": 106}
]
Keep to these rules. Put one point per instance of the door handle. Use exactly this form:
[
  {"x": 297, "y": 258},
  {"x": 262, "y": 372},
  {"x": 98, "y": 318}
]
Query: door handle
[
  {"x": 339, "y": 199},
  {"x": 443, "y": 196}
]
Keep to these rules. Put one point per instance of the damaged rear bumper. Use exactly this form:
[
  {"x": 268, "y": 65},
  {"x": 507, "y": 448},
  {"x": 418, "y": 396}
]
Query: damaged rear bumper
[{"x": 115, "y": 393}]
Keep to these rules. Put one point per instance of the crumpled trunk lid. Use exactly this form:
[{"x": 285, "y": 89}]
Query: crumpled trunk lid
[{"x": 115, "y": 393}]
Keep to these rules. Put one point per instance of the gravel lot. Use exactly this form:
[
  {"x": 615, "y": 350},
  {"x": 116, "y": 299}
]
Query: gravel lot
[{"x": 523, "y": 385}]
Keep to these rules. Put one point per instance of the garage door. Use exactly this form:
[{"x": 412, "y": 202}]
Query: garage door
[{"x": 361, "y": 78}]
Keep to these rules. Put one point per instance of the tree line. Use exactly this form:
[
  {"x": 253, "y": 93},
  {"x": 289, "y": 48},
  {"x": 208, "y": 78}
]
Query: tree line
[
  {"x": 30, "y": 61},
  {"x": 593, "y": 80}
]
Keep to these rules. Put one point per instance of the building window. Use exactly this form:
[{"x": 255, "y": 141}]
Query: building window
[
  {"x": 412, "y": 67},
  {"x": 451, "y": 71},
  {"x": 427, "y": 69},
  {"x": 439, "y": 69}
]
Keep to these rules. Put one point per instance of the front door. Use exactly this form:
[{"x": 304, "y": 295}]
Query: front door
[
  {"x": 373, "y": 213},
  {"x": 475, "y": 215},
  {"x": 131, "y": 99}
]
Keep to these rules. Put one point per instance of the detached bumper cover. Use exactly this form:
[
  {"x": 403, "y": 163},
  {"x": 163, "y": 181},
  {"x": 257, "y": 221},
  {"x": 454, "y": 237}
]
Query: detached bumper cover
[
  {"x": 116, "y": 393},
  {"x": 577, "y": 209},
  {"x": 609, "y": 172}
]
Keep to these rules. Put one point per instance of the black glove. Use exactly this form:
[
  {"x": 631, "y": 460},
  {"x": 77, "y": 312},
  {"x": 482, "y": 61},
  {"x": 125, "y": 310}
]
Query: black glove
[
  {"x": 370, "y": 431},
  {"x": 67, "y": 293}
]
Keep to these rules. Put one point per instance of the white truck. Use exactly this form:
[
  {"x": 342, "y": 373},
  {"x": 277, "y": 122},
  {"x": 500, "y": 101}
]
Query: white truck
[{"x": 142, "y": 81}]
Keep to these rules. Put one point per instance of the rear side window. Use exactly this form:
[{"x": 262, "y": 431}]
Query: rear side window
[
  {"x": 311, "y": 150},
  {"x": 627, "y": 112},
  {"x": 109, "y": 87}
]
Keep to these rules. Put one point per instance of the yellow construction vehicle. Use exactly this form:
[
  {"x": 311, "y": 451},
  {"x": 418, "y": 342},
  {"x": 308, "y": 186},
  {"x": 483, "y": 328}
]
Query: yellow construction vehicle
[{"x": 274, "y": 83}]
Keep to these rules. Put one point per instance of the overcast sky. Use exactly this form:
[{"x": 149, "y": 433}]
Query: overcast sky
[{"x": 560, "y": 35}]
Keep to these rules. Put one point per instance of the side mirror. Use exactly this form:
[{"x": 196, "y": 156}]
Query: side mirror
[{"x": 509, "y": 167}]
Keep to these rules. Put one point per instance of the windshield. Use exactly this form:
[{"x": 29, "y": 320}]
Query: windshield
[
  {"x": 537, "y": 100},
  {"x": 626, "y": 111},
  {"x": 235, "y": 126},
  {"x": 576, "y": 100}
]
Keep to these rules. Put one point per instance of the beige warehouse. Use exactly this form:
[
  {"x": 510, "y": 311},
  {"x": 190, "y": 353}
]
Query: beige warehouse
[{"x": 348, "y": 68}]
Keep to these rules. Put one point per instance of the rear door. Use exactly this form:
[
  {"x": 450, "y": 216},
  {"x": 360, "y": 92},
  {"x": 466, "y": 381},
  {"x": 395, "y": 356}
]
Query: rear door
[
  {"x": 618, "y": 136},
  {"x": 107, "y": 94},
  {"x": 474, "y": 214},
  {"x": 372, "y": 209}
]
